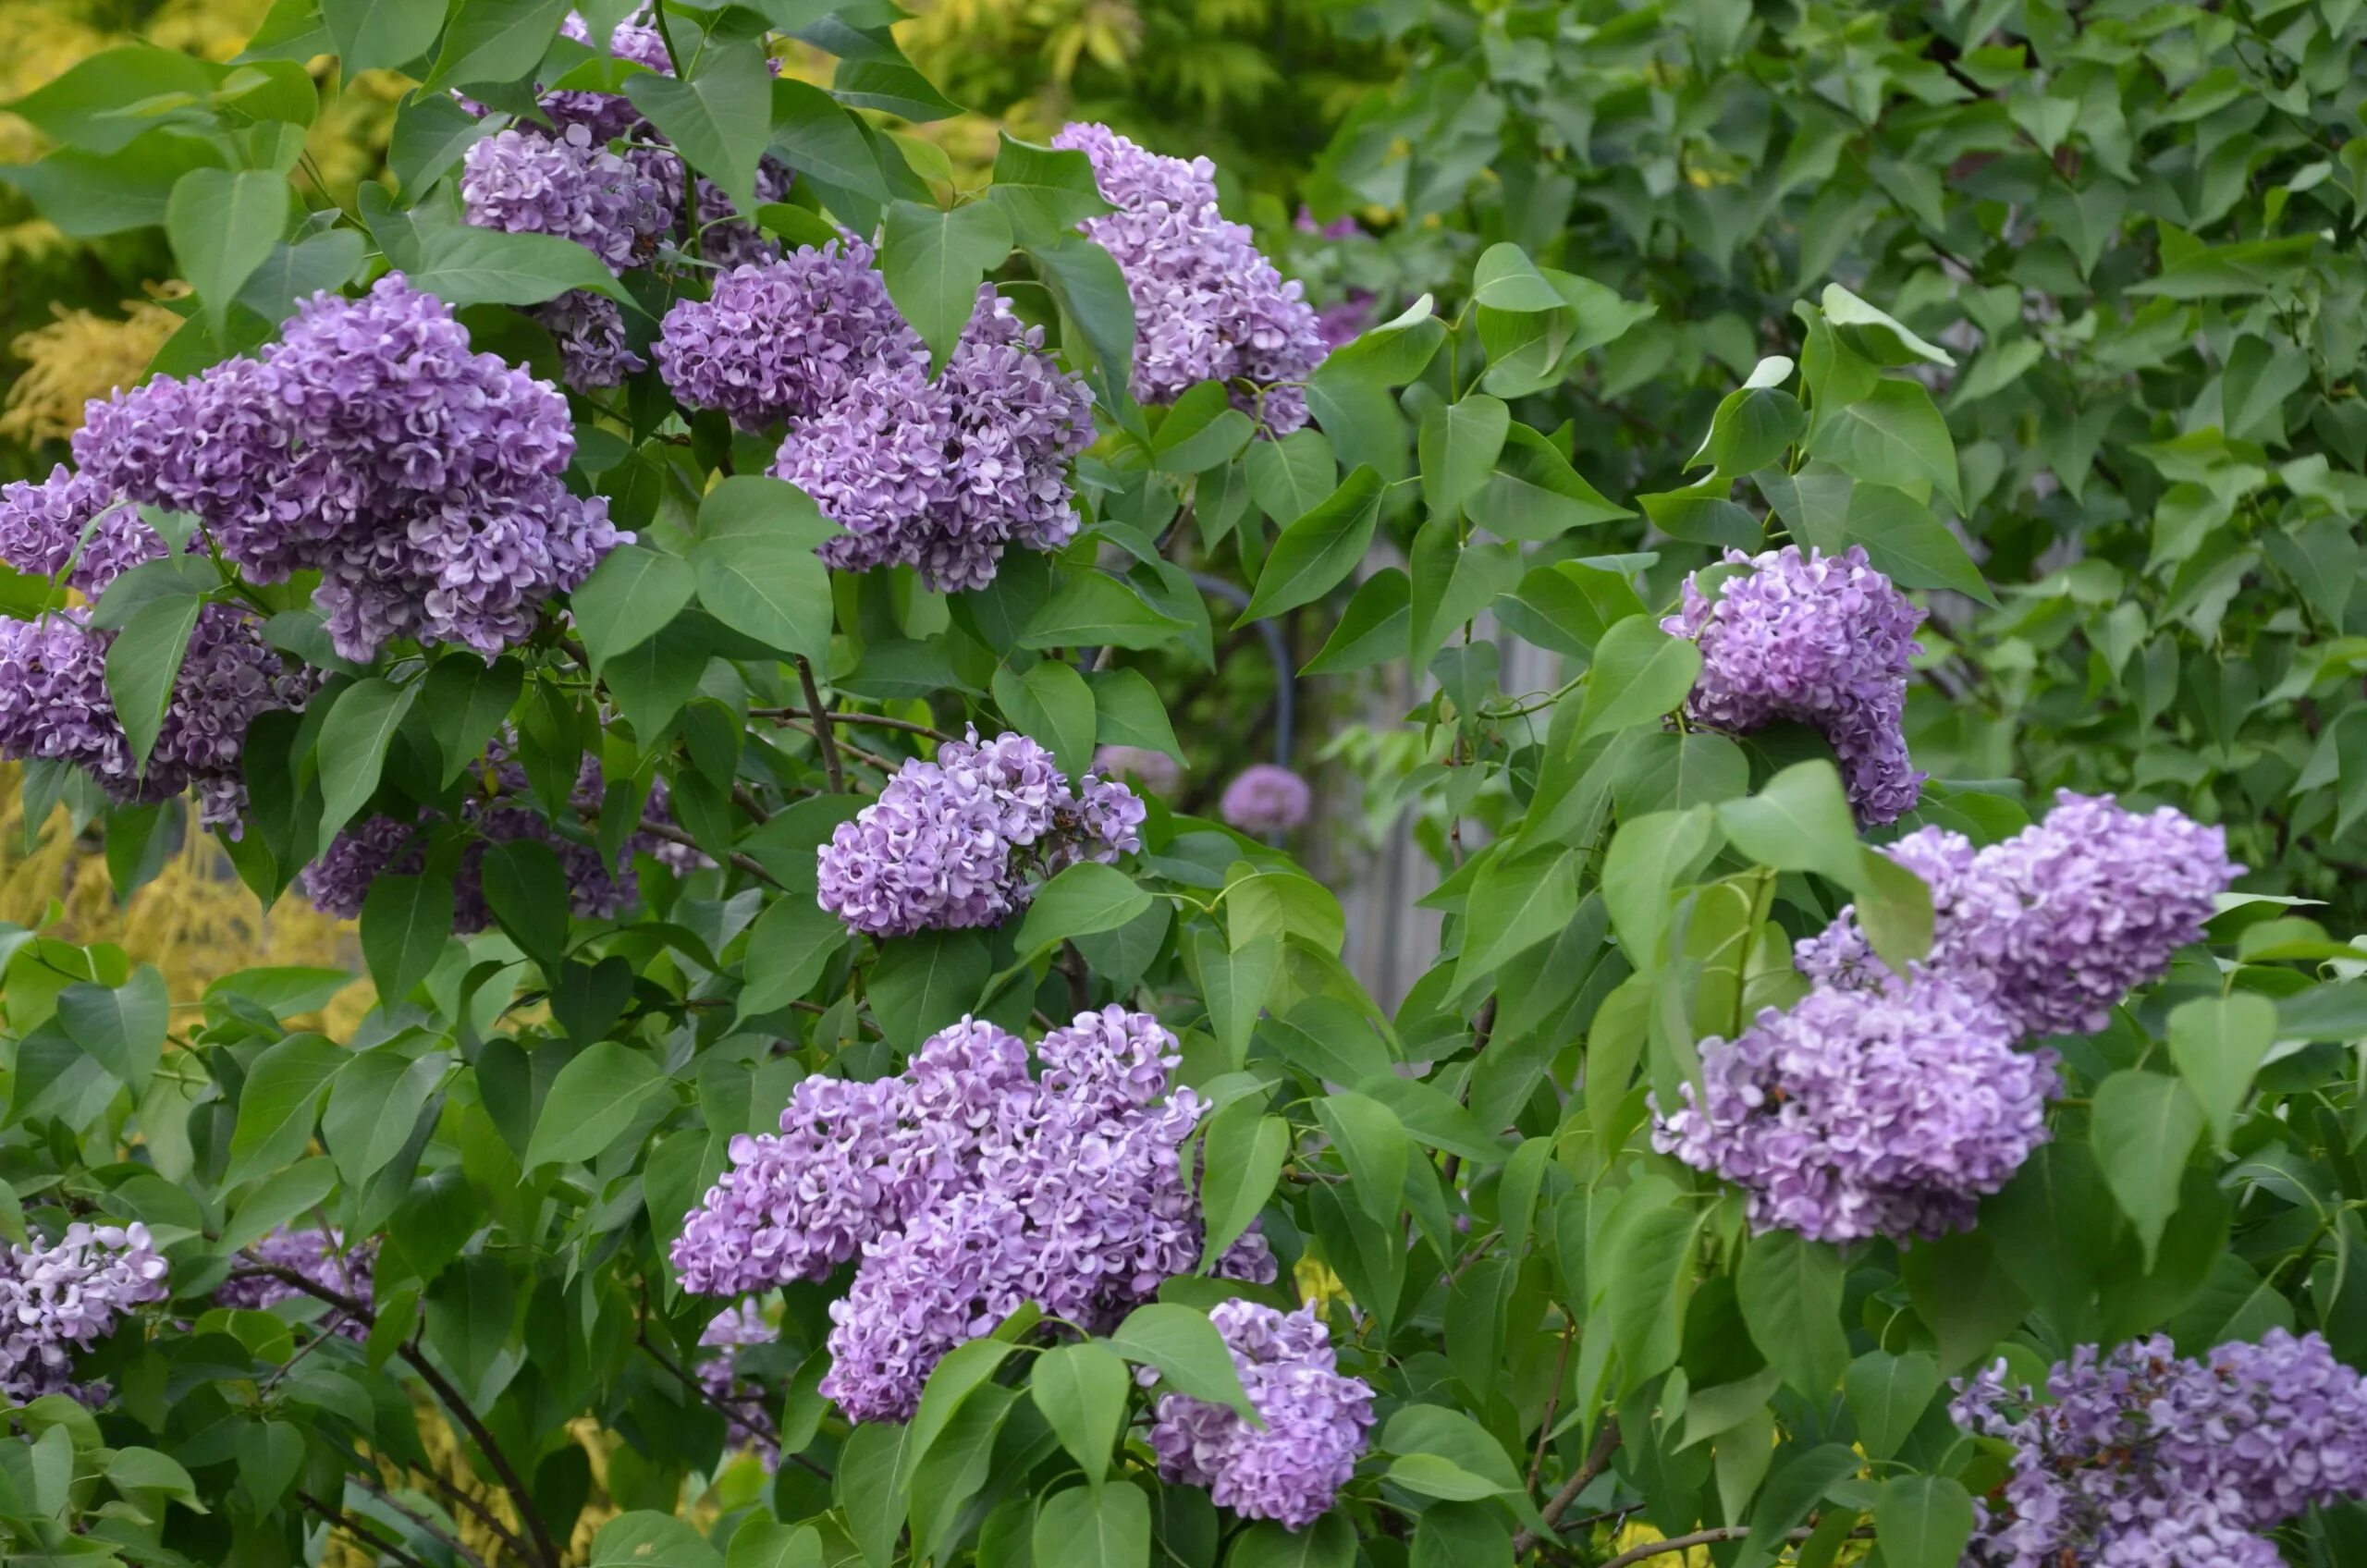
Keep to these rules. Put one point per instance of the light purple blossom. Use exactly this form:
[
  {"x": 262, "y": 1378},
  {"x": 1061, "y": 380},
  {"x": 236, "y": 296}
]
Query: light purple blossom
[
  {"x": 57, "y": 1299},
  {"x": 607, "y": 115},
  {"x": 786, "y": 338},
  {"x": 319, "y": 1256},
  {"x": 1266, "y": 799},
  {"x": 1161, "y": 774},
  {"x": 594, "y": 353},
  {"x": 732, "y": 1330},
  {"x": 521, "y": 182},
  {"x": 965, "y": 840},
  {"x": 1207, "y": 306},
  {"x": 1316, "y": 1420},
  {"x": 1887, "y": 1111},
  {"x": 1344, "y": 320},
  {"x": 43, "y": 526},
  {"x": 2138, "y": 1456},
  {"x": 1817, "y": 639}
]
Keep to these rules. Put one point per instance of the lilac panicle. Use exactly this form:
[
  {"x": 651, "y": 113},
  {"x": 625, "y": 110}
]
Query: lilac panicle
[
  {"x": 57, "y": 1299},
  {"x": 1266, "y": 799},
  {"x": 43, "y": 528},
  {"x": 1813, "y": 639},
  {"x": 319, "y": 1256},
  {"x": 1317, "y": 1420},
  {"x": 965, "y": 840},
  {"x": 519, "y": 182},
  {"x": 1161, "y": 773},
  {"x": 785, "y": 339},
  {"x": 589, "y": 328}
]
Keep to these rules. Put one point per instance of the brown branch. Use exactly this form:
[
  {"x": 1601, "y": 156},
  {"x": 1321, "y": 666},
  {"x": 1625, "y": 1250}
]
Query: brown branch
[
  {"x": 1579, "y": 1480},
  {"x": 491, "y": 1520},
  {"x": 822, "y": 736},
  {"x": 755, "y": 1426},
  {"x": 839, "y": 745},
  {"x": 416, "y": 1517},
  {"x": 1707, "y": 1538},
  {"x": 876, "y": 720},
  {"x": 353, "y": 1526},
  {"x": 674, "y": 835}
]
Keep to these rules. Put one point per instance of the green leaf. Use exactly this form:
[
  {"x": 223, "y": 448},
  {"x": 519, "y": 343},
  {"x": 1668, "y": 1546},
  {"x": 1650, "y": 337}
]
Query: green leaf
[
  {"x": 824, "y": 140},
  {"x": 1371, "y": 1142},
  {"x": 645, "y": 1538},
  {"x": 719, "y": 119},
  {"x": 1458, "y": 445},
  {"x": 1703, "y": 516},
  {"x": 1874, "y": 333},
  {"x": 1081, "y": 900},
  {"x": 933, "y": 263},
  {"x": 1534, "y": 494},
  {"x": 759, "y": 1542},
  {"x": 372, "y": 1106},
  {"x": 1235, "y": 983},
  {"x": 1753, "y": 428},
  {"x": 1893, "y": 435},
  {"x": 629, "y": 596},
  {"x": 1907, "y": 544},
  {"x": 1245, "y": 1149},
  {"x": 1888, "y": 1394},
  {"x": 1291, "y": 477},
  {"x": 595, "y": 1097},
  {"x": 1316, "y": 552},
  {"x": 1187, "y": 1350},
  {"x": 1790, "y": 1290},
  {"x": 1648, "y": 856},
  {"x": 1052, "y": 703},
  {"x": 526, "y": 889},
  {"x": 1201, "y": 432},
  {"x": 376, "y": 34},
  {"x": 102, "y": 102},
  {"x": 461, "y": 264},
  {"x": 121, "y": 1028},
  {"x": 143, "y": 665},
  {"x": 495, "y": 40},
  {"x": 2218, "y": 1044},
  {"x": 922, "y": 983},
  {"x": 1330, "y": 1542},
  {"x": 1082, "y": 1390},
  {"x": 1506, "y": 279},
  {"x": 2143, "y": 1126},
  {"x": 1895, "y": 908},
  {"x": 966, "y": 1369},
  {"x": 1094, "y": 1528},
  {"x": 789, "y": 947},
  {"x": 1799, "y": 821},
  {"x": 1128, "y": 712},
  {"x": 1045, "y": 191},
  {"x": 1922, "y": 1521},
  {"x": 1797, "y": 1484},
  {"x": 1092, "y": 608},
  {"x": 88, "y": 194},
  {"x": 868, "y": 1482},
  {"x": 1086, "y": 282},
  {"x": 222, "y": 226},
  {"x": 757, "y": 567},
  {"x": 279, "y": 1198},
  {"x": 1517, "y": 902},
  {"x": 1377, "y": 625},
  {"x": 352, "y": 747},
  {"x": 1640, "y": 675},
  {"x": 406, "y": 920},
  {"x": 275, "y": 1104}
]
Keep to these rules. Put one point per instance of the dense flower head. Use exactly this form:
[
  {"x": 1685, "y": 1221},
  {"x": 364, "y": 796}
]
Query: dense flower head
[
  {"x": 320, "y": 1256},
  {"x": 1316, "y": 1420},
  {"x": 1266, "y": 799},
  {"x": 782, "y": 340},
  {"x": 1886, "y": 1112},
  {"x": 1207, "y": 306},
  {"x": 964, "y": 839},
  {"x": 2058, "y": 923},
  {"x": 422, "y": 480},
  {"x": 1162, "y": 773},
  {"x": 519, "y": 182},
  {"x": 594, "y": 353},
  {"x": 54, "y": 703},
  {"x": 46, "y": 526},
  {"x": 57, "y": 1299},
  {"x": 1817, "y": 639},
  {"x": 2140, "y": 1456}
]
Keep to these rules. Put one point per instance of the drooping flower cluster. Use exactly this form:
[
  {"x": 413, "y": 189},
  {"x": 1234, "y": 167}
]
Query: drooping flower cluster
[
  {"x": 968, "y": 1190},
  {"x": 319, "y": 1256},
  {"x": 784, "y": 339},
  {"x": 1208, "y": 305},
  {"x": 55, "y": 1300},
  {"x": 718, "y": 1375},
  {"x": 1817, "y": 639},
  {"x": 2058, "y": 922},
  {"x": 2142, "y": 1457},
  {"x": 1161, "y": 773},
  {"x": 1266, "y": 799},
  {"x": 1316, "y": 1419},
  {"x": 964, "y": 840},
  {"x": 420, "y": 480}
]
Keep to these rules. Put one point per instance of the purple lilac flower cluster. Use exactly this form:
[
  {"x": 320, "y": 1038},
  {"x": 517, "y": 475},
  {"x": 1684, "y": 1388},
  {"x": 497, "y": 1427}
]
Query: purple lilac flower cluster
[
  {"x": 1208, "y": 305},
  {"x": 2144, "y": 1457},
  {"x": 521, "y": 182},
  {"x": 965, "y": 840},
  {"x": 421, "y": 481},
  {"x": 2058, "y": 922},
  {"x": 968, "y": 1189},
  {"x": 784, "y": 339},
  {"x": 47, "y": 526},
  {"x": 1266, "y": 799},
  {"x": 1316, "y": 1419},
  {"x": 1817, "y": 639},
  {"x": 320, "y": 1256},
  {"x": 1161, "y": 774},
  {"x": 55, "y": 1300},
  {"x": 718, "y": 1375}
]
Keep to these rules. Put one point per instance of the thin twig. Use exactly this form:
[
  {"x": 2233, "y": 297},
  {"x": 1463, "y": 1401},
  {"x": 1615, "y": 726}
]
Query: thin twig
[
  {"x": 353, "y": 1526},
  {"x": 839, "y": 743},
  {"x": 424, "y": 1521},
  {"x": 1552, "y": 1402},
  {"x": 876, "y": 720},
  {"x": 745, "y": 799},
  {"x": 755, "y": 1427},
  {"x": 1707, "y": 1538},
  {"x": 1580, "y": 1479},
  {"x": 674, "y": 835},
  {"x": 821, "y": 719},
  {"x": 475, "y": 1505}
]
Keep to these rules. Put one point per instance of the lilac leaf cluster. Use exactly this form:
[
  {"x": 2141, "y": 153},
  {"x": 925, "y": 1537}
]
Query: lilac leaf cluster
[
  {"x": 964, "y": 839},
  {"x": 1209, "y": 306},
  {"x": 2140, "y": 1456},
  {"x": 1266, "y": 799},
  {"x": 965, "y": 1188},
  {"x": 420, "y": 480},
  {"x": 1315, "y": 1420},
  {"x": 320, "y": 1256},
  {"x": 60, "y": 1298},
  {"x": 1813, "y": 639}
]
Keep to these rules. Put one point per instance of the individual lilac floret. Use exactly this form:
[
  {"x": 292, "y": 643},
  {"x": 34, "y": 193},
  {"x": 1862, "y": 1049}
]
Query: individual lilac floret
[
  {"x": 733, "y": 1329},
  {"x": 1161, "y": 774},
  {"x": 519, "y": 182},
  {"x": 965, "y": 840},
  {"x": 1266, "y": 799},
  {"x": 1207, "y": 306},
  {"x": 1317, "y": 1419},
  {"x": 423, "y": 480},
  {"x": 319, "y": 1256},
  {"x": 782, "y": 340},
  {"x": 2059, "y": 922},
  {"x": 57, "y": 1300},
  {"x": 1859, "y": 1113},
  {"x": 1817, "y": 639},
  {"x": 2141, "y": 1457},
  {"x": 46, "y": 526}
]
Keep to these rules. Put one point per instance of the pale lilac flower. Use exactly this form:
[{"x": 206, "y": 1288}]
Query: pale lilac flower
[
  {"x": 43, "y": 526},
  {"x": 1266, "y": 799},
  {"x": 319, "y": 1256},
  {"x": 57, "y": 1299},
  {"x": 1161, "y": 774}
]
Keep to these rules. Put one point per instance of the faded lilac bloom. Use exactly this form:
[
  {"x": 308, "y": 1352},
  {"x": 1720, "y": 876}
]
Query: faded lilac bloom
[
  {"x": 786, "y": 338},
  {"x": 2138, "y": 1456},
  {"x": 519, "y": 182},
  {"x": 1344, "y": 226},
  {"x": 1207, "y": 306},
  {"x": 58, "y": 1298},
  {"x": 72, "y": 518},
  {"x": 1161, "y": 774},
  {"x": 1317, "y": 1420},
  {"x": 422, "y": 480},
  {"x": 2059, "y": 922},
  {"x": 1886, "y": 1112},
  {"x": 319, "y": 1256},
  {"x": 1817, "y": 639},
  {"x": 1342, "y": 322},
  {"x": 965, "y": 840},
  {"x": 1266, "y": 799}
]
